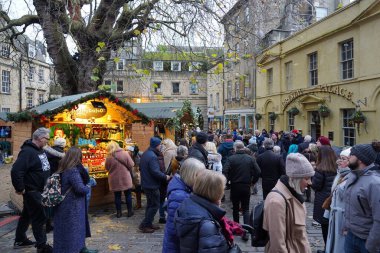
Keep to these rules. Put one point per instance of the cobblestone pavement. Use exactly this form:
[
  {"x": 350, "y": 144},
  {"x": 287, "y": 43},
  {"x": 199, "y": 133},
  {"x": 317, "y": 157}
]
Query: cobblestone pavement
[{"x": 110, "y": 234}]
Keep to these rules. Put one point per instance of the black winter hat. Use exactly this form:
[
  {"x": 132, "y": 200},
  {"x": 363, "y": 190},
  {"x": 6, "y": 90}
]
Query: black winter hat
[
  {"x": 364, "y": 152},
  {"x": 201, "y": 137}
]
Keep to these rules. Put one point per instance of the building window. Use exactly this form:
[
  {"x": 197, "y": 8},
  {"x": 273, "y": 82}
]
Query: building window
[
  {"x": 194, "y": 88},
  {"x": 229, "y": 91},
  {"x": 158, "y": 66},
  {"x": 211, "y": 101},
  {"x": 41, "y": 99},
  {"x": 119, "y": 86},
  {"x": 175, "y": 88},
  {"x": 247, "y": 14},
  {"x": 194, "y": 66},
  {"x": 237, "y": 91},
  {"x": 313, "y": 69},
  {"x": 347, "y": 59},
  {"x": 290, "y": 121},
  {"x": 320, "y": 12},
  {"x": 5, "y": 81},
  {"x": 5, "y": 50},
  {"x": 289, "y": 75},
  {"x": 107, "y": 82},
  {"x": 31, "y": 51},
  {"x": 41, "y": 75},
  {"x": 120, "y": 65},
  {"x": 247, "y": 86},
  {"x": 31, "y": 73},
  {"x": 217, "y": 101},
  {"x": 157, "y": 87},
  {"x": 270, "y": 81},
  {"x": 237, "y": 27},
  {"x": 5, "y": 109},
  {"x": 271, "y": 122},
  {"x": 348, "y": 128},
  {"x": 176, "y": 66},
  {"x": 29, "y": 100}
]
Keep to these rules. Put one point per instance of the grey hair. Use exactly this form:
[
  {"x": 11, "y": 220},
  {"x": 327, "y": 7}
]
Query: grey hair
[
  {"x": 307, "y": 138},
  {"x": 182, "y": 150},
  {"x": 295, "y": 184},
  {"x": 268, "y": 143},
  {"x": 238, "y": 145},
  {"x": 190, "y": 169},
  {"x": 40, "y": 132},
  {"x": 277, "y": 149}
]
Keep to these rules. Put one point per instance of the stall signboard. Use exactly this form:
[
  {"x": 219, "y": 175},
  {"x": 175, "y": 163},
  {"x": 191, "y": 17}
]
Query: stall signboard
[
  {"x": 91, "y": 109},
  {"x": 5, "y": 132}
]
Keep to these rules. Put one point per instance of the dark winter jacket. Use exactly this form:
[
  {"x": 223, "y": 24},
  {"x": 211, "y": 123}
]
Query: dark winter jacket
[
  {"x": 302, "y": 146},
  {"x": 71, "y": 226},
  {"x": 31, "y": 169},
  {"x": 272, "y": 166},
  {"x": 321, "y": 183},
  {"x": 54, "y": 160},
  {"x": 199, "y": 152},
  {"x": 197, "y": 226},
  {"x": 297, "y": 139},
  {"x": 226, "y": 149},
  {"x": 241, "y": 168},
  {"x": 177, "y": 192},
  {"x": 151, "y": 175}
]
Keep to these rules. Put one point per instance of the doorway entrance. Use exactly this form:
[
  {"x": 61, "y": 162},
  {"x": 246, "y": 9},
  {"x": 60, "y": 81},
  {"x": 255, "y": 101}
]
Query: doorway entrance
[{"x": 315, "y": 124}]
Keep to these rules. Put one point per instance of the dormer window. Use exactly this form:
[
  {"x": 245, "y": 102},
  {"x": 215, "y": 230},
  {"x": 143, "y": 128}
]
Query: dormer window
[
  {"x": 31, "y": 51},
  {"x": 176, "y": 66},
  {"x": 158, "y": 65}
]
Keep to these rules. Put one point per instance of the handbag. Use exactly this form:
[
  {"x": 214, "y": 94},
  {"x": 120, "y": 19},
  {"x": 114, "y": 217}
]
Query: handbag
[
  {"x": 235, "y": 249},
  {"x": 327, "y": 203}
]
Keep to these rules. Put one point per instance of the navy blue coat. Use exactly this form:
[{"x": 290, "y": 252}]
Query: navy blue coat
[
  {"x": 71, "y": 225},
  {"x": 197, "y": 226},
  {"x": 226, "y": 149},
  {"x": 151, "y": 175},
  {"x": 177, "y": 192}
]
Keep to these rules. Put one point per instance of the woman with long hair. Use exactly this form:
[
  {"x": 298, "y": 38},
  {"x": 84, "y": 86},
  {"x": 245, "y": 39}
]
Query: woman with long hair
[
  {"x": 119, "y": 165},
  {"x": 71, "y": 226},
  {"x": 322, "y": 182}
]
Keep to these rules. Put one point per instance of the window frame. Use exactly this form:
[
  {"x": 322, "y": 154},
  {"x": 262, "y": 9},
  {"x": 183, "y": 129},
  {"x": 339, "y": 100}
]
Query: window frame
[
  {"x": 118, "y": 66},
  {"x": 173, "y": 63},
  {"x": 118, "y": 82},
  {"x": 5, "y": 50},
  {"x": 217, "y": 101},
  {"x": 41, "y": 77},
  {"x": 313, "y": 69},
  {"x": 5, "y": 109},
  {"x": 157, "y": 90},
  {"x": 194, "y": 91},
  {"x": 158, "y": 65},
  {"x": 348, "y": 128},
  {"x": 178, "y": 92},
  {"x": 289, "y": 75},
  {"x": 5, "y": 84},
  {"x": 237, "y": 90},
  {"x": 29, "y": 99},
  {"x": 291, "y": 121},
  {"x": 32, "y": 51},
  {"x": 270, "y": 80},
  {"x": 41, "y": 101},
  {"x": 31, "y": 72},
  {"x": 229, "y": 91},
  {"x": 347, "y": 61}
]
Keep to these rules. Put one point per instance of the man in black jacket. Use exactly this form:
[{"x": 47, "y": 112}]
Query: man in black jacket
[
  {"x": 198, "y": 150},
  {"x": 242, "y": 170},
  {"x": 29, "y": 174},
  {"x": 272, "y": 167}
]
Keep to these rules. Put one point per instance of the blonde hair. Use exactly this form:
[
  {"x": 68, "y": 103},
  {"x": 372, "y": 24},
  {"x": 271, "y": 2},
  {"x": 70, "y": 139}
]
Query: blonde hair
[
  {"x": 210, "y": 147},
  {"x": 210, "y": 185},
  {"x": 168, "y": 143},
  {"x": 295, "y": 184},
  {"x": 112, "y": 147},
  {"x": 190, "y": 169}
]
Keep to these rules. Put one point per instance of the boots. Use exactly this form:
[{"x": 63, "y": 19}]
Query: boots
[
  {"x": 130, "y": 213},
  {"x": 138, "y": 200},
  {"x": 118, "y": 213}
]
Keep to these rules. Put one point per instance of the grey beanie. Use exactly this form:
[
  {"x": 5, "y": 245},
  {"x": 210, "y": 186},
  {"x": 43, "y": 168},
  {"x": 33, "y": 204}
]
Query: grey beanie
[
  {"x": 364, "y": 152},
  {"x": 297, "y": 166}
]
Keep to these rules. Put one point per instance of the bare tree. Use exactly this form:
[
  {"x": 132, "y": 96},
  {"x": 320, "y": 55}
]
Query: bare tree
[{"x": 99, "y": 27}]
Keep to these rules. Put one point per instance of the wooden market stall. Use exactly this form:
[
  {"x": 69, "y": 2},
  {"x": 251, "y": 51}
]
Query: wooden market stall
[{"x": 90, "y": 121}]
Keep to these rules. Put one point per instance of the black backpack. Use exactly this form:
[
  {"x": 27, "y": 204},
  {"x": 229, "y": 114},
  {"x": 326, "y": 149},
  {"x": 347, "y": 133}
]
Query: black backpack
[{"x": 259, "y": 236}]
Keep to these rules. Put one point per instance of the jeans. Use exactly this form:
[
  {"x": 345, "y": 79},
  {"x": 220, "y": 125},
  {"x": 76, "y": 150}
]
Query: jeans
[
  {"x": 32, "y": 213},
  {"x": 161, "y": 210},
  {"x": 354, "y": 244},
  {"x": 128, "y": 199},
  {"x": 240, "y": 194},
  {"x": 152, "y": 206}
]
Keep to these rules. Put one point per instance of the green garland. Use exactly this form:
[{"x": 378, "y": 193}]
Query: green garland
[
  {"x": 69, "y": 129},
  {"x": 175, "y": 123},
  {"x": 29, "y": 115}
]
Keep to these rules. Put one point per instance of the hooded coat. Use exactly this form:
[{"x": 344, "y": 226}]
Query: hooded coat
[
  {"x": 199, "y": 152},
  {"x": 226, "y": 149},
  {"x": 177, "y": 192}
]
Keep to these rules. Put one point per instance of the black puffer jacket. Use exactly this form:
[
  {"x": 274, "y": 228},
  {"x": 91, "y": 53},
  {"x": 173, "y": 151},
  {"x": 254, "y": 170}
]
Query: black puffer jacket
[
  {"x": 322, "y": 183},
  {"x": 241, "y": 168},
  {"x": 272, "y": 167},
  {"x": 199, "y": 152}
]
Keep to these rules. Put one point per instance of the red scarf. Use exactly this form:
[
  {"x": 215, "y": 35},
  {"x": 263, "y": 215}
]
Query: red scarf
[{"x": 230, "y": 228}]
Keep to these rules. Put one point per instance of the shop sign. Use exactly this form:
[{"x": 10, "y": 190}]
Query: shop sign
[
  {"x": 91, "y": 110},
  {"x": 320, "y": 88}
]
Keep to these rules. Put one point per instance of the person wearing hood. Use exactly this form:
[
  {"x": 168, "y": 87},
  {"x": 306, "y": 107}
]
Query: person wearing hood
[
  {"x": 214, "y": 158},
  {"x": 226, "y": 148},
  {"x": 179, "y": 189},
  {"x": 55, "y": 153},
  {"x": 199, "y": 219},
  {"x": 362, "y": 202},
  {"x": 198, "y": 150},
  {"x": 169, "y": 151},
  {"x": 29, "y": 174},
  {"x": 335, "y": 237}
]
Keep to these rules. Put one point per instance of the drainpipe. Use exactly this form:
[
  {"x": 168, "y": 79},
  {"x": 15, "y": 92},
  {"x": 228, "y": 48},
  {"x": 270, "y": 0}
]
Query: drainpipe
[
  {"x": 224, "y": 108},
  {"x": 20, "y": 85}
]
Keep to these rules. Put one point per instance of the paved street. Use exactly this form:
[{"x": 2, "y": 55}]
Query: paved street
[{"x": 110, "y": 234}]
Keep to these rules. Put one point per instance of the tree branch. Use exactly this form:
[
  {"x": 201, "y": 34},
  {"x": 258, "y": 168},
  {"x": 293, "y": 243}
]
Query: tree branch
[{"x": 24, "y": 20}]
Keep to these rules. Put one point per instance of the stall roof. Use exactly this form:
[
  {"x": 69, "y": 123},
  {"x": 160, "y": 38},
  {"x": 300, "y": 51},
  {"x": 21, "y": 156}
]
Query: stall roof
[
  {"x": 160, "y": 110},
  {"x": 3, "y": 116},
  {"x": 54, "y": 104}
]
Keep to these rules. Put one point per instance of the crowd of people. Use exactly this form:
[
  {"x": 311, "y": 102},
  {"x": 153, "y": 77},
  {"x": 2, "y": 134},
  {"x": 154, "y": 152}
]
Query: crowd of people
[{"x": 186, "y": 185}]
